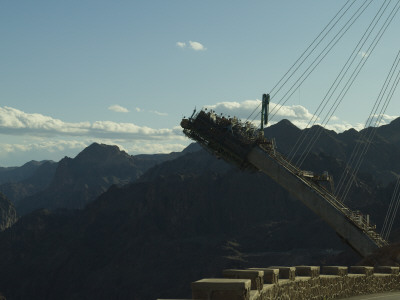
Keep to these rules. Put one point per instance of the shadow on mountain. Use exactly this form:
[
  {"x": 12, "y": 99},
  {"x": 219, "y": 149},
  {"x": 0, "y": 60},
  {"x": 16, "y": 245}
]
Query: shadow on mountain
[{"x": 186, "y": 217}]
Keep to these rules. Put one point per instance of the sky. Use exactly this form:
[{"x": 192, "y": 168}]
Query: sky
[{"x": 126, "y": 72}]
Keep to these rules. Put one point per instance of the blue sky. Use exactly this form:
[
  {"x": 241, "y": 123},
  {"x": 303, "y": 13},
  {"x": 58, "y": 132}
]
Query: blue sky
[{"x": 125, "y": 72}]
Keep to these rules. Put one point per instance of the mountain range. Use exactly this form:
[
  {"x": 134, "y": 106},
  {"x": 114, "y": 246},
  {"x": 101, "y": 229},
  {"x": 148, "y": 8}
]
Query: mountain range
[{"x": 110, "y": 225}]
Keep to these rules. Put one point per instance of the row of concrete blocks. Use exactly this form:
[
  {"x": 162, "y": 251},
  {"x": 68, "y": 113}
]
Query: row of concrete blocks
[{"x": 241, "y": 284}]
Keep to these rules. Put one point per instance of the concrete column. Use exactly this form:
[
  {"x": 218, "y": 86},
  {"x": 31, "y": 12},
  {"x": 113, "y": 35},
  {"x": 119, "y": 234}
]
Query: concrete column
[
  {"x": 366, "y": 270},
  {"x": 285, "y": 272},
  {"x": 221, "y": 289},
  {"x": 271, "y": 276},
  {"x": 256, "y": 277},
  {"x": 310, "y": 271},
  {"x": 335, "y": 270},
  {"x": 387, "y": 270}
]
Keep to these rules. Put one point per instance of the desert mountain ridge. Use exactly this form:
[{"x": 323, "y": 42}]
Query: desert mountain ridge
[{"x": 110, "y": 232}]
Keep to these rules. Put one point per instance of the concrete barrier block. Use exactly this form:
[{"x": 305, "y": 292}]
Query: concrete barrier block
[
  {"x": 256, "y": 277},
  {"x": 310, "y": 271},
  {"x": 285, "y": 272},
  {"x": 335, "y": 270},
  {"x": 366, "y": 270},
  {"x": 255, "y": 295},
  {"x": 387, "y": 270},
  {"x": 221, "y": 289},
  {"x": 271, "y": 276}
]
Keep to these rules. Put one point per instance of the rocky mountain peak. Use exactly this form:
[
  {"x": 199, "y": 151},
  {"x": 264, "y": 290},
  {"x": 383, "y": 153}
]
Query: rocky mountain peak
[{"x": 101, "y": 153}]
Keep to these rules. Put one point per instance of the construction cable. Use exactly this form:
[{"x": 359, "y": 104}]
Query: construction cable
[
  {"x": 337, "y": 82},
  {"x": 347, "y": 86},
  {"x": 367, "y": 124},
  {"x": 356, "y": 151},
  {"x": 320, "y": 58},
  {"x": 305, "y": 51},
  {"x": 349, "y": 83},
  {"x": 390, "y": 209},
  {"x": 372, "y": 133},
  {"x": 310, "y": 47},
  {"x": 396, "y": 195},
  {"x": 366, "y": 147}
]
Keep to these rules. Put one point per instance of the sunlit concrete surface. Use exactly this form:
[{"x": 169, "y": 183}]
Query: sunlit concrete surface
[{"x": 380, "y": 296}]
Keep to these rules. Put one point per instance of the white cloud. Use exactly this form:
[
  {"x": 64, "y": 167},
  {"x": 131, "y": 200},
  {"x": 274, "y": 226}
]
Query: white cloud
[
  {"x": 16, "y": 122},
  {"x": 382, "y": 119},
  {"x": 138, "y": 109},
  {"x": 197, "y": 46},
  {"x": 158, "y": 113},
  {"x": 297, "y": 114},
  {"x": 363, "y": 54},
  {"x": 245, "y": 108},
  {"x": 151, "y": 148},
  {"x": 35, "y": 136},
  {"x": 49, "y": 146},
  {"x": 118, "y": 108}
]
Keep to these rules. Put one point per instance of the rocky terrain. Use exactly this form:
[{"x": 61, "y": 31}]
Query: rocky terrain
[
  {"x": 36, "y": 181},
  {"x": 8, "y": 214},
  {"x": 74, "y": 182},
  {"x": 181, "y": 218},
  {"x": 16, "y": 174}
]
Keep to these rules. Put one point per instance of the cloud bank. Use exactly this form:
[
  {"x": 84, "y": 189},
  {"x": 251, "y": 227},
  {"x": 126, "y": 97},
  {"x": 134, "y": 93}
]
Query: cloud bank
[
  {"x": 297, "y": 114},
  {"x": 28, "y": 136},
  {"x": 17, "y": 122}
]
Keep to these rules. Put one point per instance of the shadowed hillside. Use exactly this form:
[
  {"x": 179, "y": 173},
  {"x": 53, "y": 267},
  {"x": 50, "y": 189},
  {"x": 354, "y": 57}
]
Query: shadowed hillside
[
  {"x": 8, "y": 215},
  {"x": 185, "y": 218},
  {"x": 80, "y": 180}
]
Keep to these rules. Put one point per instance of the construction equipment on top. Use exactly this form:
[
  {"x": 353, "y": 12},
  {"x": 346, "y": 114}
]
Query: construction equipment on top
[
  {"x": 264, "y": 110},
  {"x": 244, "y": 145}
]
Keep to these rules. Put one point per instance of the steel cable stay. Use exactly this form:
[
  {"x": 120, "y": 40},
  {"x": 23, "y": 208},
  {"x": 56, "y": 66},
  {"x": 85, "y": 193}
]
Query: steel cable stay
[
  {"x": 319, "y": 130},
  {"x": 361, "y": 158},
  {"x": 368, "y": 122},
  {"x": 393, "y": 217},
  {"x": 377, "y": 123},
  {"x": 393, "y": 212},
  {"x": 319, "y": 58},
  {"x": 389, "y": 213},
  {"x": 337, "y": 82},
  {"x": 362, "y": 146},
  {"x": 308, "y": 48},
  {"x": 373, "y": 132},
  {"x": 308, "y": 55},
  {"x": 344, "y": 91},
  {"x": 348, "y": 84}
]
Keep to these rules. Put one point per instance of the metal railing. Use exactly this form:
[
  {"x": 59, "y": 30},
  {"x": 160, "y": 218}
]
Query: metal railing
[{"x": 356, "y": 218}]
